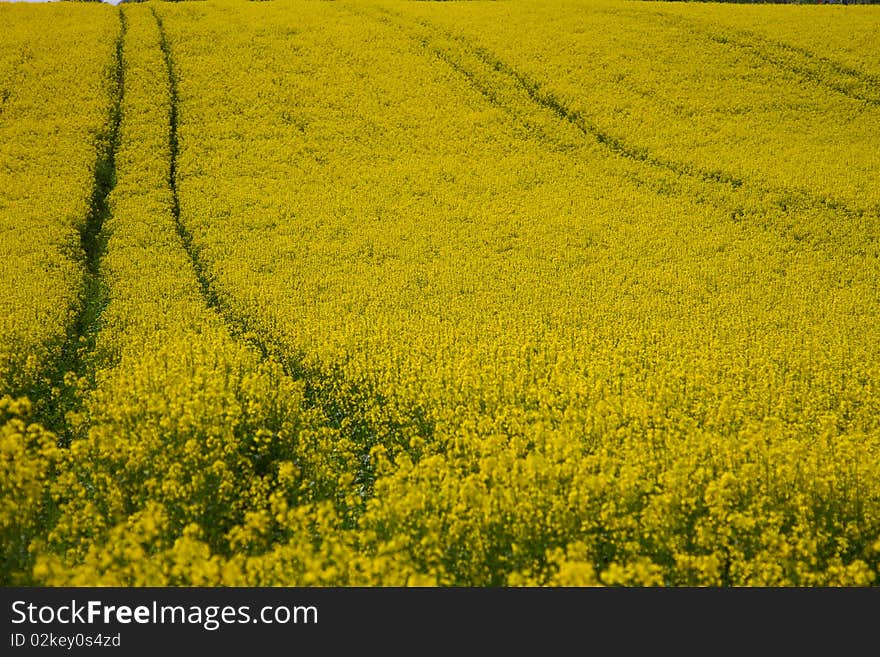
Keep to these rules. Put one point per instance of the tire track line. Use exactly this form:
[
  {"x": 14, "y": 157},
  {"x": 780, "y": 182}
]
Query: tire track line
[
  {"x": 757, "y": 46},
  {"x": 806, "y": 71},
  {"x": 719, "y": 184},
  {"x": 71, "y": 371},
  {"x": 547, "y": 100},
  {"x": 342, "y": 411}
]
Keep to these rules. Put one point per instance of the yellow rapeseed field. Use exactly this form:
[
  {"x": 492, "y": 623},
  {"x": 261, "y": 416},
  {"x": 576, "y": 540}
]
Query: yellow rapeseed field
[{"x": 577, "y": 292}]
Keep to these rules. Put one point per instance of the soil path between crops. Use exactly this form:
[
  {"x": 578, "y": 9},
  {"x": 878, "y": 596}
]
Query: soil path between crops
[
  {"x": 343, "y": 404},
  {"x": 71, "y": 372}
]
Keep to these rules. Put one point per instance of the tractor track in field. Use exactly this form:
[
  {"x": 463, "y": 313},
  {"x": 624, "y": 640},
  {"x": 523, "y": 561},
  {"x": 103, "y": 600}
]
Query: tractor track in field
[
  {"x": 65, "y": 376},
  {"x": 718, "y": 183},
  {"x": 800, "y": 63},
  {"x": 208, "y": 292},
  {"x": 343, "y": 410},
  {"x": 810, "y": 69},
  {"x": 544, "y": 99}
]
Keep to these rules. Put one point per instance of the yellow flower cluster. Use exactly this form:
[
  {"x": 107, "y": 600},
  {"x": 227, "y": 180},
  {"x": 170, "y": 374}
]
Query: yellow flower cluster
[
  {"x": 527, "y": 293},
  {"x": 28, "y": 456}
]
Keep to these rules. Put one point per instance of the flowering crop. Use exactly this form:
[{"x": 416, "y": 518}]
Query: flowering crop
[{"x": 520, "y": 293}]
